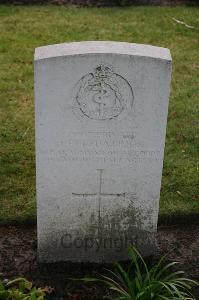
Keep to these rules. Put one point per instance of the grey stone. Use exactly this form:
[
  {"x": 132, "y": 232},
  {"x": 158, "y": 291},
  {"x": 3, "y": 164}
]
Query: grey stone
[{"x": 101, "y": 113}]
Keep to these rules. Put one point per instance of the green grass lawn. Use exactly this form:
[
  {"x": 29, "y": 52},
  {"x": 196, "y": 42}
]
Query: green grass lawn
[{"x": 24, "y": 28}]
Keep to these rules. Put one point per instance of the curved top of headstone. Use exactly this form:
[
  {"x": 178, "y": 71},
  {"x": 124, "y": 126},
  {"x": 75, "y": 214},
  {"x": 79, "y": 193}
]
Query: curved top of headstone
[{"x": 95, "y": 47}]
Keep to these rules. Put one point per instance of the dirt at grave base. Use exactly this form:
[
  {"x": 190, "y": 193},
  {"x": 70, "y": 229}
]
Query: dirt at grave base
[{"x": 18, "y": 257}]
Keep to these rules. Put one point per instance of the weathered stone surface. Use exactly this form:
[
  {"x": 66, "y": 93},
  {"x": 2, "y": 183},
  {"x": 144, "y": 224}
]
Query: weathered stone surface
[{"x": 101, "y": 112}]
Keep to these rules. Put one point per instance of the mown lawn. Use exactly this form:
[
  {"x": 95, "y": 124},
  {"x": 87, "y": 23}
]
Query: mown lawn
[{"x": 24, "y": 28}]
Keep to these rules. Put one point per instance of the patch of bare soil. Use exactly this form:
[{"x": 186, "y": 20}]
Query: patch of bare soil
[{"x": 18, "y": 258}]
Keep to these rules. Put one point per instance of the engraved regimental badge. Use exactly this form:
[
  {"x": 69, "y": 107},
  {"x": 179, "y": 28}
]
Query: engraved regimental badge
[{"x": 103, "y": 94}]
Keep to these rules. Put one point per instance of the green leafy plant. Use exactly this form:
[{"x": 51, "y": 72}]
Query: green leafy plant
[
  {"x": 21, "y": 289},
  {"x": 140, "y": 282}
]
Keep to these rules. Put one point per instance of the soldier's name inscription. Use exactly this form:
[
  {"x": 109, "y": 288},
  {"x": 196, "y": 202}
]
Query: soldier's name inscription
[{"x": 105, "y": 146}]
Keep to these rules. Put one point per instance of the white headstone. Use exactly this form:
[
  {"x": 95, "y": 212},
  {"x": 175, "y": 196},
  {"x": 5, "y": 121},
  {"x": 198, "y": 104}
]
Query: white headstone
[{"x": 101, "y": 113}]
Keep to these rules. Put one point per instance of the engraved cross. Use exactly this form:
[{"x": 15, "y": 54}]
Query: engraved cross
[{"x": 99, "y": 193}]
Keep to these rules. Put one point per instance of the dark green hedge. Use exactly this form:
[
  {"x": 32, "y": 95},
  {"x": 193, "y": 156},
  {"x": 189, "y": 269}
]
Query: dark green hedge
[{"x": 101, "y": 2}]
